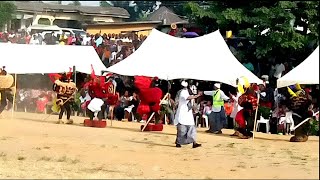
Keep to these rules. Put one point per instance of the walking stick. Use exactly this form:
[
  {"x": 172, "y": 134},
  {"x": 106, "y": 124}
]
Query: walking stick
[
  {"x": 145, "y": 125},
  {"x": 255, "y": 117}
]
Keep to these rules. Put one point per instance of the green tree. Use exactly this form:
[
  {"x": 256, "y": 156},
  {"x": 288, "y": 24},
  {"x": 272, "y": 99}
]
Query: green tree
[
  {"x": 104, "y": 4},
  {"x": 250, "y": 19},
  {"x": 136, "y": 11},
  {"x": 75, "y": 3},
  {"x": 7, "y": 9}
]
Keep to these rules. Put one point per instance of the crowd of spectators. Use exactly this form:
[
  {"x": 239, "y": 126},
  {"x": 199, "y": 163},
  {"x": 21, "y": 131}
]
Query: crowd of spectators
[{"x": 113, "y": 48}]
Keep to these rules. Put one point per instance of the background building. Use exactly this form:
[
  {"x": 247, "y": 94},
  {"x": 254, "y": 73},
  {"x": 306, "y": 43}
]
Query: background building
[{"x": 67, "y": 16}]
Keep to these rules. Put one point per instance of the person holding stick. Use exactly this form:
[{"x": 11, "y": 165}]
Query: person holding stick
[
  {"x": 186, "y": 129},
  {"x": 65, "y": 95},
  {"x": 245, "y": 118}
]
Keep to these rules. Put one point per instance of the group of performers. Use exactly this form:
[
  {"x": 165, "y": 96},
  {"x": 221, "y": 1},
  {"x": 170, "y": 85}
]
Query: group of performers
[
  {"x": 297, "y": 103},
  {"x": 98, "y": 93},
  {"x": 101, "y": 93}
]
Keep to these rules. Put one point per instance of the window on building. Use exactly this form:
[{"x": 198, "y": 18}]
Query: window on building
[{"x": 44, "y": 21}]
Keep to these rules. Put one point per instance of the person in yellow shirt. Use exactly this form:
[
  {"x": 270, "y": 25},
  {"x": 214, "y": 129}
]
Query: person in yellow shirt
[{"x": 63, "y": 38}]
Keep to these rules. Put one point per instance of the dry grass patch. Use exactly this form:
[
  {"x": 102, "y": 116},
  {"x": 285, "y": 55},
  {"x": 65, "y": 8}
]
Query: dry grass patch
[
  {"x": 2, "y": 154},
  {"x": 62, "y": 159},
  {"x": 218, "y": 145},
  {"x": 21, "y": 158},
  {"x": 46, "y": 147},
  {"x": 69, "y": 160},
  {"x": 230, "y": 145},
  {"x": 45, "y": 158}
]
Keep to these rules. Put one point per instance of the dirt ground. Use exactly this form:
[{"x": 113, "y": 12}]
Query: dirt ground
[{"x": 31, "y": 147}]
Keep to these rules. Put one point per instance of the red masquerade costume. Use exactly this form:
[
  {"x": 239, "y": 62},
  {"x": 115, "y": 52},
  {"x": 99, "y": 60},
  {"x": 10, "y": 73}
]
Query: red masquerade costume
[
  {"x": 99, "y": 89},
  {"x": 150, "y": 97},
  {"x": 245, "y": 117},
  {"x": 65, "y": 90}
]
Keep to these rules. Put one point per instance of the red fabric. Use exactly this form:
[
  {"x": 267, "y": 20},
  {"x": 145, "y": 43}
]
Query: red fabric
[
  {"x": 266, "y": 104},
  {"x": 41, "y": 104},
  {"x": 173, "y": 32},
  {"x": 155, "y": 108},
  {"x": 69, "y": 74},
  {"x": 150, "y": 95},
  {"x": 248, "y": 98},
  {"x": 143, "y": 109},
  {"x": 228, "y": 107},
  {"x": 54, "y": 76},
  {"x": 142, "y": 82},
  {"x": 147, "y": 95},
  {"x": 112, "y": 99},
  {"x": 240, "y": 119}
]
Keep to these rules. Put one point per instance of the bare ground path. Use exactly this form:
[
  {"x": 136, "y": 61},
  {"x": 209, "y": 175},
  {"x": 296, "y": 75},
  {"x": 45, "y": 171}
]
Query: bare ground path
[{"x": 33, "y": 148}]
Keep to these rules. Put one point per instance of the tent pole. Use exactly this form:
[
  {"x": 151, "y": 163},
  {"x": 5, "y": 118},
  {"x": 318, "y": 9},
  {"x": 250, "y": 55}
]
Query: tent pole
[
  {"x": 75, "y": 81},
  {"x": 14, "y": 95}
]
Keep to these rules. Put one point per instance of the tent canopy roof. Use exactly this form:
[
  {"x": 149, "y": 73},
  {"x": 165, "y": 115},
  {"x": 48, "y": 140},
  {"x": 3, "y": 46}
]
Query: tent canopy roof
[
  {"x": 203, "y": 58},
  {"x": 37, "y": 59},
  {"x": 305, "y": 73}
]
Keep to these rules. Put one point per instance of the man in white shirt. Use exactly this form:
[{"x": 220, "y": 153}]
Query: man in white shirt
[
  {"x": 186, "y": 130},
  {"x": 86, "y": 40},
  {"x": 218, "y": 116}
]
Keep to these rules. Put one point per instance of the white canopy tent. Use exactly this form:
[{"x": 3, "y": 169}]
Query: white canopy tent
[
  {"x": 38, "y": 59},
  {"x": 305, "y": 73},
  {"x": 167, "y": 57}
]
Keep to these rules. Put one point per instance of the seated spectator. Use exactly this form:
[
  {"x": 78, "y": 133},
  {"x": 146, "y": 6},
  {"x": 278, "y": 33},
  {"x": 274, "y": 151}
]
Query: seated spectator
[
  {"x": 132, "y": 107},
  {"x": 123, "y": 103}
]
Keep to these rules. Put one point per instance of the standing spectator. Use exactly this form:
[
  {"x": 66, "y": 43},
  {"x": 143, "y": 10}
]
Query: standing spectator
[{"x": 218, "y": 116}]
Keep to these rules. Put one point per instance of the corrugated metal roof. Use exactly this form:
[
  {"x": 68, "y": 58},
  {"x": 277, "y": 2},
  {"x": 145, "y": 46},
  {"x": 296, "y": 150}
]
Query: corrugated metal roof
[
  {"x": 167, "y": 16},
  {"x": 42, "y": 7}
]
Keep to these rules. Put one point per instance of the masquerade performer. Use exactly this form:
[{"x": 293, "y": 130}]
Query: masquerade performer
[
  {"x": 149, "y": 94},
  {"x": 186, "y": 129},
  {"x": 101, "y": 93},
  {"x": 65, "y": 90},
  {"x": 249, "y": 102},
  {"x": 6, "y": 82},
  {"x": 299, "y": 103}
]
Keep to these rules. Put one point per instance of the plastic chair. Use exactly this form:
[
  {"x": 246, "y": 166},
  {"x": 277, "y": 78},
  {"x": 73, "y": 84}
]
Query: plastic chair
[
  {"x": 263, "y": 121},
  {"x": 205, "y": 117}
]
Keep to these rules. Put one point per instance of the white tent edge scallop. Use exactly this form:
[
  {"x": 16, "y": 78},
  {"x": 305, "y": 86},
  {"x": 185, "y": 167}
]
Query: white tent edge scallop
[
  {"x": 306, "y": 72},
  {"x": 174, "y": 51}
]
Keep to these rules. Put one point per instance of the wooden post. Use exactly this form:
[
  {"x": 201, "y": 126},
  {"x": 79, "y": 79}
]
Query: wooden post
[
  {"x": 165, "y": 97},
  {"x": 255, "y": 117},
  {"x": 14, "y": 95}
]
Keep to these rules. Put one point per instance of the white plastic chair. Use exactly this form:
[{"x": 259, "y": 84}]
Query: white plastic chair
[
  {"x": 263, "y": 121},
  {"x": 205, "y": 117}
]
